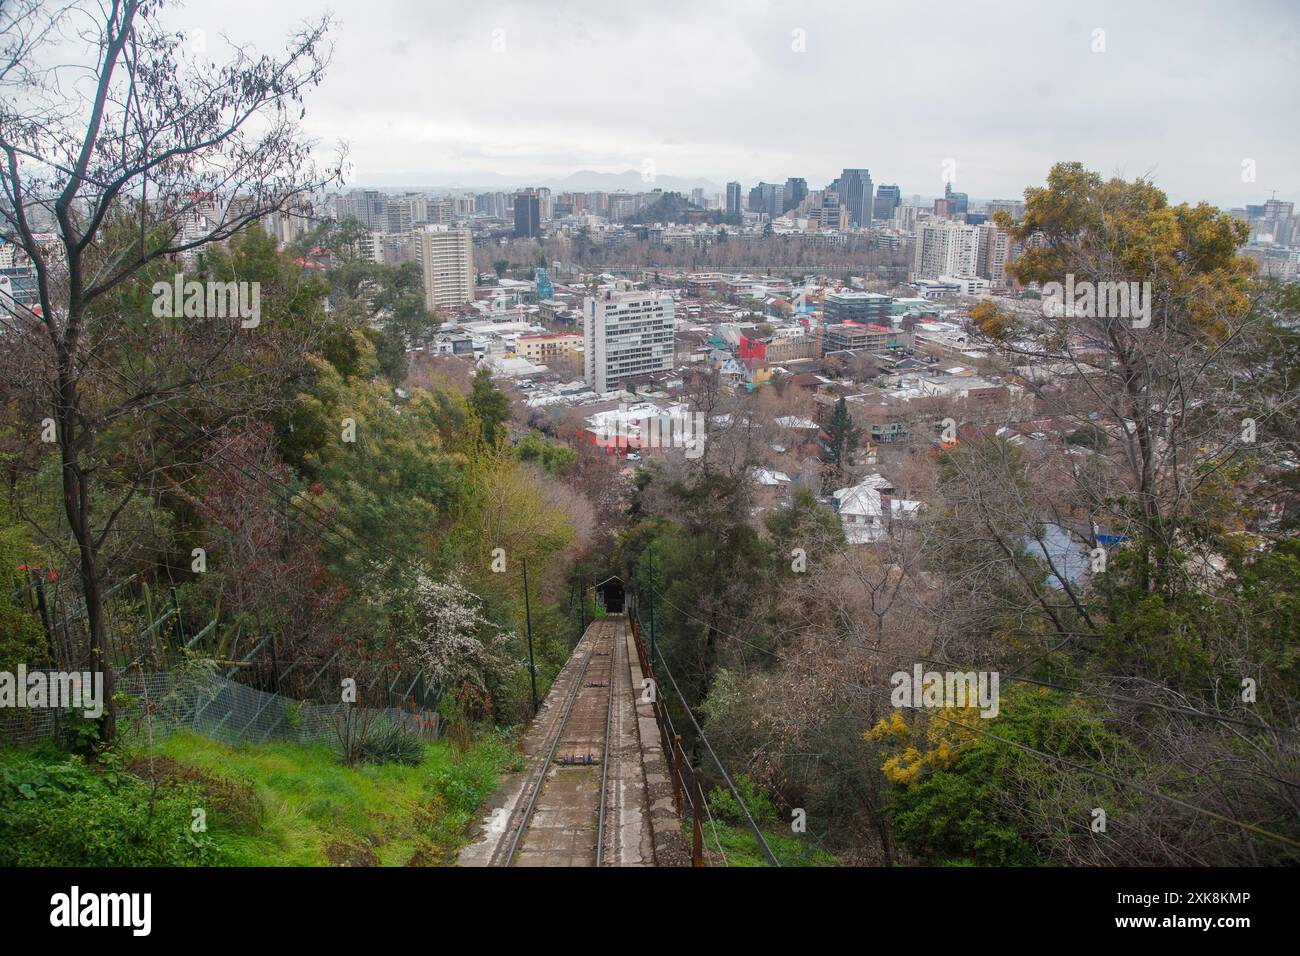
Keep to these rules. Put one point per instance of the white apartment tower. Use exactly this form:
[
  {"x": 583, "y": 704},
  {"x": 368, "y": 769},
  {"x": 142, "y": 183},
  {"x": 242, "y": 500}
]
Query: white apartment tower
[
  {"x": 626, "y": 333},
  {"x": 446, "y": 260},
  {"x": 945, "y": 247},
  {"x": 994, "y": 253}
]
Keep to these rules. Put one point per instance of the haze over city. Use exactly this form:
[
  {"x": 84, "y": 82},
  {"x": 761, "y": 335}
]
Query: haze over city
[{"x": 512, "y": 94}]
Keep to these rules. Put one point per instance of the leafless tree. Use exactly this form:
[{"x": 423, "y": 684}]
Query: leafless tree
[{"x": 120, "y": 148}]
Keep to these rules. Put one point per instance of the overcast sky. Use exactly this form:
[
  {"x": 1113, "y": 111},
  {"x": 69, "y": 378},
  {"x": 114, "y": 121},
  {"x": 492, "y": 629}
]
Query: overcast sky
[{"x": 1186, "y": 91}]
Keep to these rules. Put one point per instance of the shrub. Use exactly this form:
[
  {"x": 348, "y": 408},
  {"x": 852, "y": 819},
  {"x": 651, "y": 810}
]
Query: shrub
[
  {"x": 391, "y": 742},
  {"x": 725, "y": 807},
  {"x": 57, "y": 811},
  {"x": 365, "y": 737}
]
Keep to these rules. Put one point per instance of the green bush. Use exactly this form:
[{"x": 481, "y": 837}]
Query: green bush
[
  {"x": 55, "y": 810},
  {"x": 391, "y": 742},
  {"x": 725, "y": 807}
]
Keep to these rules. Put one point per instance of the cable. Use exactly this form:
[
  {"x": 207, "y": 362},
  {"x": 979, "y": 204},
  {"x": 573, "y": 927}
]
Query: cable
[
  {"x": 1065, "y": 761},
  {"x": 767, "y": 851},
  {"x": 1185, "y": 711}
]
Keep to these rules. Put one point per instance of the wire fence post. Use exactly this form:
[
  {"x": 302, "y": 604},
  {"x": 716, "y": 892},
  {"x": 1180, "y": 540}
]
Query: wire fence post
[
  {"x": 697, "y": 843},
  {"x": 677, "y": 773}
]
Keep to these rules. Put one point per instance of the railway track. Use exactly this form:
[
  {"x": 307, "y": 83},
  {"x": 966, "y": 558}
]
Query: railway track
[{"x": 564, "y": 812}]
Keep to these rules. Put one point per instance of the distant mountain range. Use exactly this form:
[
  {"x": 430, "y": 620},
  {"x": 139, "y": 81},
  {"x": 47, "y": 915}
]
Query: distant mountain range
[{"x": 585, "y": 180}]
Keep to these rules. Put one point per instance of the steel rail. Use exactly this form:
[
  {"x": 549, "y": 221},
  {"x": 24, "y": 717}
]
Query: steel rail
[
  {"x": 550, "y": 756},
  {"x": 604, "y": 770}
]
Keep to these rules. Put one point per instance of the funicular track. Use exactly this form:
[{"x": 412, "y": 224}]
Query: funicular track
[{"x": 563, "y": 814}]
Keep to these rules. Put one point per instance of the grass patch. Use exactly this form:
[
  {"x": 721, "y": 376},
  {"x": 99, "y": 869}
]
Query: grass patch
[
  {"x": 271, "y": 804},
  {"x": 742, "y": 849}
]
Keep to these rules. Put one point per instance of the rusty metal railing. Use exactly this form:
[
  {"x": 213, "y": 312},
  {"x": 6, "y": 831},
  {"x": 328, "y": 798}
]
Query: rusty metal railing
[{"x": 688, "y": 786}]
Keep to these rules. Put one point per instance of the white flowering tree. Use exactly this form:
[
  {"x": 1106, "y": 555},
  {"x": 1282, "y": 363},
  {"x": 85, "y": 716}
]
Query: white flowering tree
[{"x": 453, "y": 643}]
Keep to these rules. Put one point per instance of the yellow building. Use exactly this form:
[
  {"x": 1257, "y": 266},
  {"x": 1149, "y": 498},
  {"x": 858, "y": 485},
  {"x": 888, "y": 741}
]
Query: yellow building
[{"x": 540, "y": 349}]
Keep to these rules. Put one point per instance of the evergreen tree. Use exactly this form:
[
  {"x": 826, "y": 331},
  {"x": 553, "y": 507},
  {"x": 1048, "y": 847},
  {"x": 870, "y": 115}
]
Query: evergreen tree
[
  {"x": 489, "y": 404},
  {"x": 843, "y": 436}
]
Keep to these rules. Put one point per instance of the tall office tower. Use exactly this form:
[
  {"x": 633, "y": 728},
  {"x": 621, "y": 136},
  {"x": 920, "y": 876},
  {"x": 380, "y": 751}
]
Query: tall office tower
[
  {"x": 367, "y": 206},
  {"x": 545, "y": 204},
  {"x": 958, "y": 203},
  {"x": 626, "y": 333},
  {"x": 825, "y": 211},
  {"x": 697, "y": 196},
  {"x": 528, "y": 214},
  {"x": 888, "y": 198},
  {"x": 855, "y": 191},
  {"x": 994, "y": 253},
  {"x": 446, "y": 260},
  {"x": 796, "y": 191},
  {"x": 945, "y": 247},
  {"x": 760, "y": 199},
  {"x": 733, "y": 199},
  {"x": 765, "y": 198},
  {"x": 400, "y": 216}
]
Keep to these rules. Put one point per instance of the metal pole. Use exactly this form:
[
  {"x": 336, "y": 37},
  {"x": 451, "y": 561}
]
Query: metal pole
[{"x": 528, "y": 617}]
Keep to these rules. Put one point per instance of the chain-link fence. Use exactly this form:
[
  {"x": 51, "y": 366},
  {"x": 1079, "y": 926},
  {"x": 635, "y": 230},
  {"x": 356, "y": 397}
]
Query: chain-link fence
[{"x": 215, "y": 706}]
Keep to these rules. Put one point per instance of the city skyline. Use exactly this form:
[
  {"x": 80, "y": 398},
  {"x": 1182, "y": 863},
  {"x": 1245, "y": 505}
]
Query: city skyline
[{"x": 769, "y": 92}]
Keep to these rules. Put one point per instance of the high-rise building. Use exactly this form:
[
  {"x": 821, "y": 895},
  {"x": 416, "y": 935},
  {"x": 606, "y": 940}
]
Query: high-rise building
[
  {"x": 945, "y": 247},
  {"x": 855, "y": 192},
  {"x": 825, "y": 211},
  {"x": 888, "y": 198},
  {"x": 441, "y": 210},
  {"x": 366, "y": 206},
  {"x": 494, "y": 205},
  {"x": 958, "y": 203},
  {"x": 994, "y": 253},
  {"x": 291, "y": 221},
  {"x": 369, "y": 246},
  {"x": 528, "y": 214},
  {"x": 733, "y": 199},
  {"x": 626, "y": 333},
  {"x": 796, "y": 191},
  {"x": 765, "y": 198},
  {"x": 1277, "y": 209},
  {"x": 446, "y": 260},
  {"x": 400, "y": 216}
]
